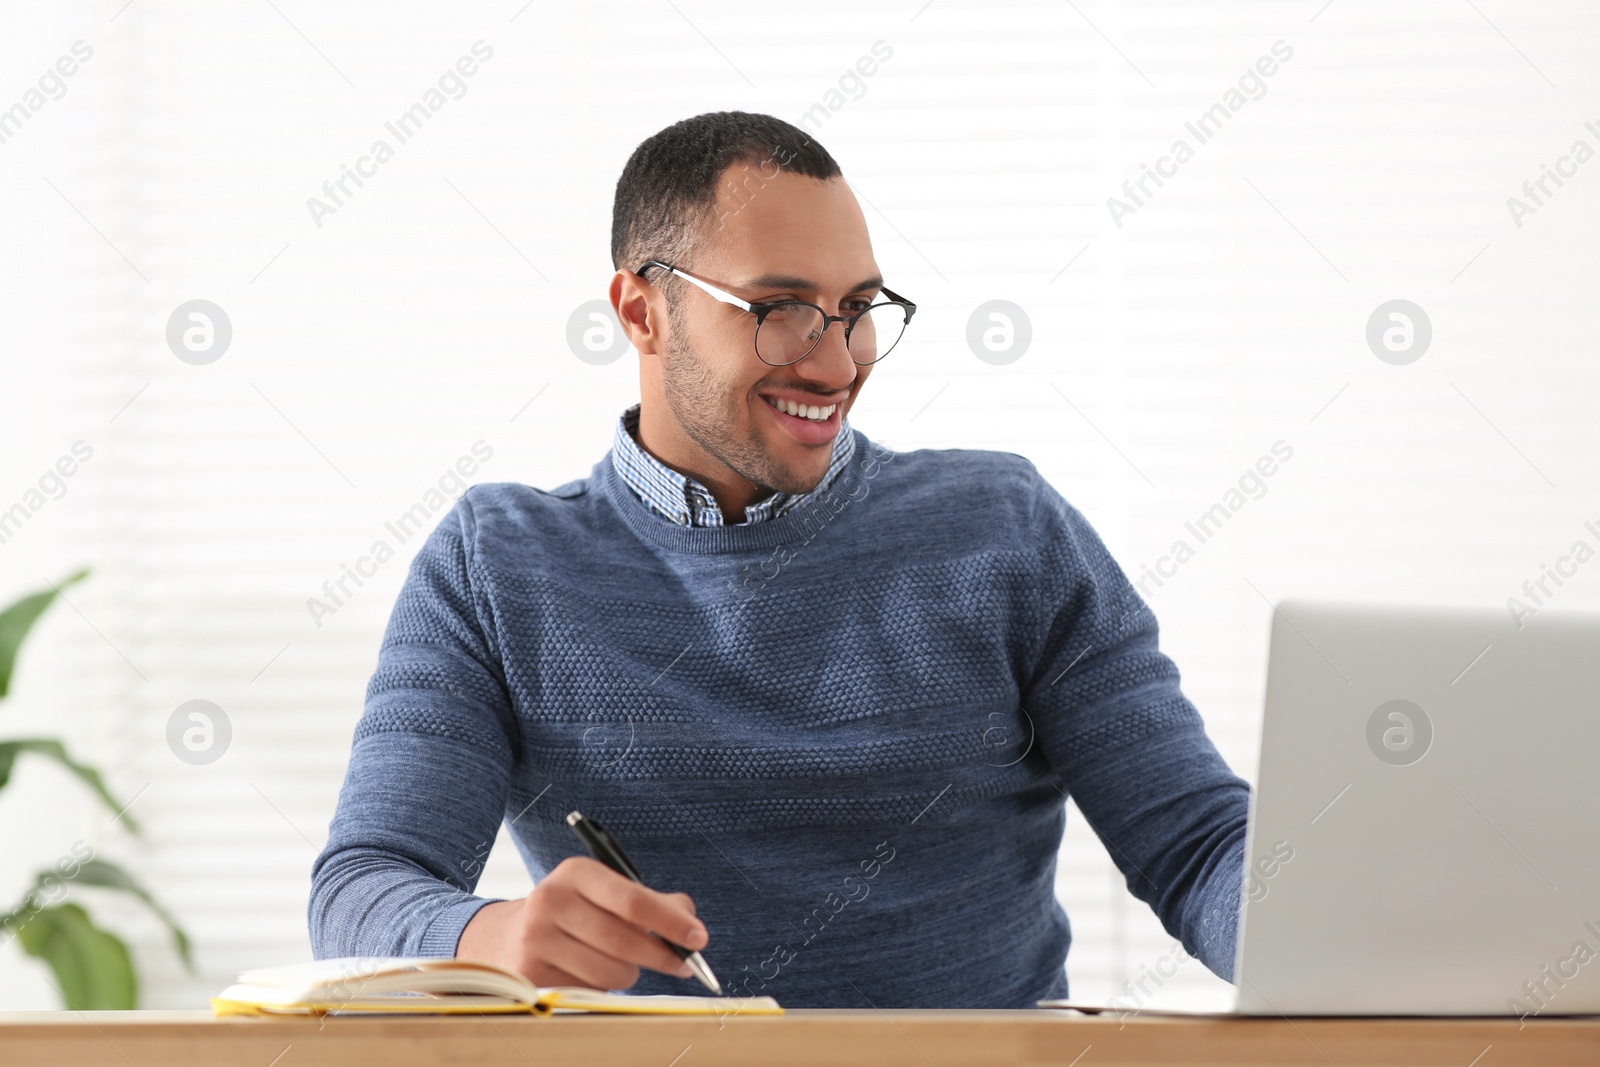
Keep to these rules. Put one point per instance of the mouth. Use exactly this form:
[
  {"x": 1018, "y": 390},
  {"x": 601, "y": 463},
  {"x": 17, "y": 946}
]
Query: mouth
[{"x": 810, "y": 424}]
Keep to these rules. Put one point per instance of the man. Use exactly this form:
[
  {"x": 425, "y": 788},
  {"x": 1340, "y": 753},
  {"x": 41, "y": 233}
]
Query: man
[{"x": 830, "y": 698}]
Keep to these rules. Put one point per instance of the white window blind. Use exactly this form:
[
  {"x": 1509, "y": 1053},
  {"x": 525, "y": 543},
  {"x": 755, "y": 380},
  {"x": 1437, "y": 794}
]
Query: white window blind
[{"x": 1175, "y": 340}]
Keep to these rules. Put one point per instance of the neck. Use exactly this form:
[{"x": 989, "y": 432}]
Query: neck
[{"x": 664, "y": 439}]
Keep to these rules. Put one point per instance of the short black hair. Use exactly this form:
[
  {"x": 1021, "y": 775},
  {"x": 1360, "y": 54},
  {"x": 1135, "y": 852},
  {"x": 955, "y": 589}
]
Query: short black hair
[{"x": 667, "y": 190}]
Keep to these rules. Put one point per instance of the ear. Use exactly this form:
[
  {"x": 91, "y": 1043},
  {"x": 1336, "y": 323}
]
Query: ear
[{"x": 642, "y": 310}]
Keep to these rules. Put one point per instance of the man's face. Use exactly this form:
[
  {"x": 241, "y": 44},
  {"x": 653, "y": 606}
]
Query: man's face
[{"x": 771, "y": 238}]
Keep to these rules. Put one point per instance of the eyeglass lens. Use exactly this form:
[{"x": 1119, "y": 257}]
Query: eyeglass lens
[{"x": 790, "y": 331}]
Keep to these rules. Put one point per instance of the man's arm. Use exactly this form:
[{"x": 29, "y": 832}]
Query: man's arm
[
  {"x": 1132, "y": 749},
  {"x": 429, "y": 773}
]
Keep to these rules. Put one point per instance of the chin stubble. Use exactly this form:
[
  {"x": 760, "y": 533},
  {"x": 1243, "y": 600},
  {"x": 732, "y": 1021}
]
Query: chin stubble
[{"x": 700, "y": 405}]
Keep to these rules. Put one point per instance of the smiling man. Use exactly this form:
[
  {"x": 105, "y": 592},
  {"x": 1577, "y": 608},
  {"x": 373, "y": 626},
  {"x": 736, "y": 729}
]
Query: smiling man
[{"x": 831, "y": 698}]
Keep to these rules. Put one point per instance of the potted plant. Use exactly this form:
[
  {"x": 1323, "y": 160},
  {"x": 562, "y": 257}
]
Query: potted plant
[{"x": 92, "y": 967}]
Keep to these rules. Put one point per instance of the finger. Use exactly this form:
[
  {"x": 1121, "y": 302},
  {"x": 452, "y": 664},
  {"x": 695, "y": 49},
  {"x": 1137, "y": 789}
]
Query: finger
[
  {"x": 618, "y": 938},
  {"x": 640, "y": 905},
  {"x": 588, "y": 965},
  {"x": 550, "y": 975}
]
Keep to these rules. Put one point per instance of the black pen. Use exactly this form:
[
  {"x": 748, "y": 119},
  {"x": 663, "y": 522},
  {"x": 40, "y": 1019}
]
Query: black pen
[{"x": 605, "y": 849}]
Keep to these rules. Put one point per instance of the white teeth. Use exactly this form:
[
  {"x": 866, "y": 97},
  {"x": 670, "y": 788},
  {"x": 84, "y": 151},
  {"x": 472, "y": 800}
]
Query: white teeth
[{"x": 803, "y": 411}]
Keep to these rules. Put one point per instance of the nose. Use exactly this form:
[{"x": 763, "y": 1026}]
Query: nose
[{"x": 829, "y": 363}]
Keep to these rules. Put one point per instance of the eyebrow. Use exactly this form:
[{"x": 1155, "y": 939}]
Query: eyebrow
[{"x": 794, "y": 281}]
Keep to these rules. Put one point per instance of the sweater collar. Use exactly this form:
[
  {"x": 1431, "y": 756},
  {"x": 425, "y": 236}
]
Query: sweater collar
[
  {"x": 796, "y": 526},
  {"x": 685, "y": 501}
]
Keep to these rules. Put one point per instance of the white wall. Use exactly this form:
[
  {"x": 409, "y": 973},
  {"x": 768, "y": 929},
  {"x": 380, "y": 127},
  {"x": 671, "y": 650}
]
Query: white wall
[{"x": 1226, "y": 313}]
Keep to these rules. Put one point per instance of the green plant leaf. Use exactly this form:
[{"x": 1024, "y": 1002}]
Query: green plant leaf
[
  {"x": 108, "y": 875},
  {"x": 52, "y": 749},
  {"x": 93, "y": 969},
  {"x": 18, "y": 619}
]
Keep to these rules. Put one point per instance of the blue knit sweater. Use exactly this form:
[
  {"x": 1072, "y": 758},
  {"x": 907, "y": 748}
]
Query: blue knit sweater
[{"x": 847, "y": 732}]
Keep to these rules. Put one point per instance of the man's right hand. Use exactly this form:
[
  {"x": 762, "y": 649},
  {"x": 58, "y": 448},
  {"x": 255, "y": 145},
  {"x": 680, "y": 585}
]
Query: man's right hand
[{"x": 585, "y": 925}]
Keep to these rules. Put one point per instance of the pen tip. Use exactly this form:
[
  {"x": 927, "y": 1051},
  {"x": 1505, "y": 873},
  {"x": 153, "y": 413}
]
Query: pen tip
[
  {"x": 572, "y": 818},
  {"x": 702, "y": 971}
]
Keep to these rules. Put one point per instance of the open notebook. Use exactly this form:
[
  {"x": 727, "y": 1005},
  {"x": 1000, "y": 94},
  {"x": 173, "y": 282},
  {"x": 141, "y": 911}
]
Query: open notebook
[{"x": 377, "y": 985}]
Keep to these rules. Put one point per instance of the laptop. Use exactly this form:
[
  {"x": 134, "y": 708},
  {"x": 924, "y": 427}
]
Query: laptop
[{"x": 1423, "y": 836}]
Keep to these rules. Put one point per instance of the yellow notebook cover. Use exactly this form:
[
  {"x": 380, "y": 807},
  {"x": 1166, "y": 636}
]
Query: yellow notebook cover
[{"x": 366, "y": 985}]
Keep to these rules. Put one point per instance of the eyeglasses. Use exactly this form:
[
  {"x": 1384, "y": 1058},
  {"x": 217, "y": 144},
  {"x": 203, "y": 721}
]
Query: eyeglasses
[{"x": 788, "y": 330}]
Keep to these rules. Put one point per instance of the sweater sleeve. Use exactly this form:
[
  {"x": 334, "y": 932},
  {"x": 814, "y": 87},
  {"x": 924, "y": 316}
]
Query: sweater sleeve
[
  {"x": 429, "y": 773},
  {"x": 1130, "y": 747}
]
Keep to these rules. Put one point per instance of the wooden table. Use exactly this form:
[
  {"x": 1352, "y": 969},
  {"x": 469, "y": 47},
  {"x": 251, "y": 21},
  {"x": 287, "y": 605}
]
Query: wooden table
[{"x": 880, "y": 1038}]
